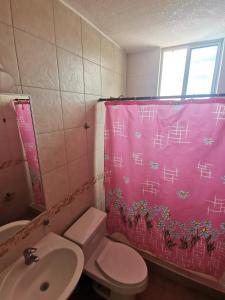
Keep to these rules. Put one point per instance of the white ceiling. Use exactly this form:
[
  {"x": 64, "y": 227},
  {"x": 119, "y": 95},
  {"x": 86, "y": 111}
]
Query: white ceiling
[{"x": 138, "y": 24}]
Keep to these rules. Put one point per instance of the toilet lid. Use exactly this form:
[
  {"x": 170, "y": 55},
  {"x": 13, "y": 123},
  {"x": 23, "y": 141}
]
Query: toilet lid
[{"x": 122, "y": 264}]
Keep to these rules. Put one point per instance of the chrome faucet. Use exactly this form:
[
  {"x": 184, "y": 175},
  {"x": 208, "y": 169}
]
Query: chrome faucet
[{"x": 29, "y": 256}]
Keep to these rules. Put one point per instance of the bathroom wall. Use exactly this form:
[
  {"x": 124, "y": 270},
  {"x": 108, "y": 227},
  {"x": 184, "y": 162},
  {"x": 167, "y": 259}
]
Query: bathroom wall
[
  {"x": 65, "y": 64},
  {"x": 143, "y": 73},
  {"x": 15, "y": 188}
]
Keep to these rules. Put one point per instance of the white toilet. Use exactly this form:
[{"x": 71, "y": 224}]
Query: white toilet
[{"x": 115, "y": 267}]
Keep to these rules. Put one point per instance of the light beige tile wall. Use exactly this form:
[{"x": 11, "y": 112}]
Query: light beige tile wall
[{"x": 65, "y": 65}]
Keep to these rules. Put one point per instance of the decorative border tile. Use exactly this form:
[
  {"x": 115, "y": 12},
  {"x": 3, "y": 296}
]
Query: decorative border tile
[
  {"x": 11, "y": 163},
  {"x": 48, "y": 214}
]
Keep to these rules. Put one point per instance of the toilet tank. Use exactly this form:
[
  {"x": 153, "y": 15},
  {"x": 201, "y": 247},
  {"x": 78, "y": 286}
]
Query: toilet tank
[{"x": 88, "y": 230}]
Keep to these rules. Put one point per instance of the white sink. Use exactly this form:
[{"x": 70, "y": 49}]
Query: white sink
[
  {"x": 9, "y": 230},
  {"x": 54, "y": 277}
]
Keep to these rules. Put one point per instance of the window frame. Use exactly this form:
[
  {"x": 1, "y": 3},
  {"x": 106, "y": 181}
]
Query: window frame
[{"x": 219, "y": 43}]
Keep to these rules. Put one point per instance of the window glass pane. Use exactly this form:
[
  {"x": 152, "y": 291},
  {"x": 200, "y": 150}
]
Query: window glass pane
[
  {"x": 201, "y": 70},
  {"x": 173, "y": 72}
]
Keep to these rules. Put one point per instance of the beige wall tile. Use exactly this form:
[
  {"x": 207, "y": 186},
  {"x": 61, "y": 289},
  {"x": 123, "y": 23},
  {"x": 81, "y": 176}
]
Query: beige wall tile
[
  {"x": 107, "y": 53},
  {"x": 91, "y": 108},
  {"x": 37, "y": 61},
  {"x": 5, "y": 12},
  {"x": 78, "y": 173},
  {"x": 51, "y": 150},
  {"x": 56, "y": 186},
  {"x": 91, "y": 139},
  {"x": 76, "y": 143},
  {"x": 73, "y": 106},
  {"x": 46, "y": 108},
  {"x": 70, "y": 71},
  {"x": 67, "y": 28},
  {"x": 19, "y": 89},
  {"x": 92, "y": 78},
  {"x": 35, "y": 17},
  {"x": 72, "y": 212},
  {"x": 91, "y": 40},
  {"x": 15, "y": 89},
  {"x": 108, "y": 83},
  {"x": 7, "y": 52}
]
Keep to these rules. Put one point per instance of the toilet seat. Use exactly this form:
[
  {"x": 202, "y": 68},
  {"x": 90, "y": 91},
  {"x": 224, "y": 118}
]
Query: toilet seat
[{"x": 122, "y": 264}]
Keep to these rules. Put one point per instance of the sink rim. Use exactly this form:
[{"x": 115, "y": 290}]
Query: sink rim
[
  {"x": 12, "y": 227},
  {"x": 45, "y": 246}
]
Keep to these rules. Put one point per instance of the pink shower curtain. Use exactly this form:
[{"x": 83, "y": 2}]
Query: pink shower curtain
[
  {"x": 165, "y": 179},
  {"x": 25, "y": 125}
]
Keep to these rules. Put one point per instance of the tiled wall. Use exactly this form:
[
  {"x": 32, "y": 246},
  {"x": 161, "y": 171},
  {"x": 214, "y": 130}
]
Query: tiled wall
[
  {"x": 15, "y": 189},
  {"x": 65, "y": 65}
]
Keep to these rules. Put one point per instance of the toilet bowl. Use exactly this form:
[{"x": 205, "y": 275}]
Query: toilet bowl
[{"x": 115, "y": 266}]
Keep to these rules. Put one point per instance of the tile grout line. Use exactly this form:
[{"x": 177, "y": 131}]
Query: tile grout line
[
  {"x": 16, "y": 52},
  {"x": 86, "y": 119},
  {"x": 4, "y": 23},
  {"x": 57, "y": 46},
  {"x": 64, "y": 91},
  {"x": 60, "y": 94},
  {"x": 63, "y": 165},
  {"x": 60, "y": 130}
]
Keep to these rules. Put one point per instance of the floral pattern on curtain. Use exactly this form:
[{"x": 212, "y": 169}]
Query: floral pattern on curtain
[
  {"x": 165, "y": 179},
  {"x": 25, "y": 125}
]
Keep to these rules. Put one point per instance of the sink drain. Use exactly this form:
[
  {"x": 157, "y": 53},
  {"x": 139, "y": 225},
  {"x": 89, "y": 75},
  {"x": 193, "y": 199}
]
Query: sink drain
[{"x": 44, "y": 286}]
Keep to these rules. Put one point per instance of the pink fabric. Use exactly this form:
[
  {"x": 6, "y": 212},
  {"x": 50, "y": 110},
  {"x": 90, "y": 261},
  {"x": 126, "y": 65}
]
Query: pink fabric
[
  {"x": 25, "y": 125},
  {"x": 165, "y": 179}
]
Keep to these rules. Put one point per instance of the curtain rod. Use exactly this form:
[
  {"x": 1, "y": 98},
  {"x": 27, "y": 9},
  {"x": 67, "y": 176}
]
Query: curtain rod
[
  {"x": 161, "y": 97},
  {"x": 21, "y": 99}
]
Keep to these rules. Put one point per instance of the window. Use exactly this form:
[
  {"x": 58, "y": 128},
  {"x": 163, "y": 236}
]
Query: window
[{"x": 190, "y": 69}]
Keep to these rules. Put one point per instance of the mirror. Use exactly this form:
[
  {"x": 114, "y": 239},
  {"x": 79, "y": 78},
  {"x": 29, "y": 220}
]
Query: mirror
[{"x": 21, "y": 193}]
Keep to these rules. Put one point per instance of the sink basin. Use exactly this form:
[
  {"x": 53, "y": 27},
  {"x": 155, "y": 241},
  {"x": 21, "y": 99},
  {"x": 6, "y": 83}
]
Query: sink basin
[
  {"x": 9, "y": 230},
  {"x": 54, "y": 277}
]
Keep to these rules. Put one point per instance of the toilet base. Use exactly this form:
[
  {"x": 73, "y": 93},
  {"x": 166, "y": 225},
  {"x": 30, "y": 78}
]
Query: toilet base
[{"x": 108, "y": 294}]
